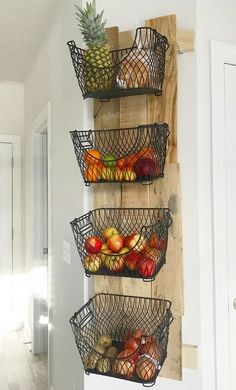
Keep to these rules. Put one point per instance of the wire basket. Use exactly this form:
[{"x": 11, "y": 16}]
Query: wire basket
[
  {"x": 130, "y": 242},
  {"x": 136, "y": 70},
  {"x": 124, "y": 337},
  {"x": 135, "y": 154}
]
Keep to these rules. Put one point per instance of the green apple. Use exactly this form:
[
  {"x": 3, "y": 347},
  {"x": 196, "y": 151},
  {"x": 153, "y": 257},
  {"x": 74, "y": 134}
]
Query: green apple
[
  {"x": 108, "y": 232},
  {"x": 109, "y": 161}
]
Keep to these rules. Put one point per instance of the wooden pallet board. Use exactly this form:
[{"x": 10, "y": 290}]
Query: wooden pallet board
[
  {"x": 134, "y": 111},
  {"x": 164, "y": 108}
]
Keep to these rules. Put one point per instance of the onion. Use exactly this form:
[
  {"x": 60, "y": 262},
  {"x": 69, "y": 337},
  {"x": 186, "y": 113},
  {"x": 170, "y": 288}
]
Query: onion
[{"x": 146, "y": 368}]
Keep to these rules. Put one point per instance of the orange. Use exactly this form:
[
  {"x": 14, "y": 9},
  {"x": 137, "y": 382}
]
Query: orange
[
  {"x": 93, "y": 172},
  {"x": 146, "y": 152},
  {"x": 121, "y": 163},
  {"x": 131, "y": 159},
  {"x": 92, "y": 156}
]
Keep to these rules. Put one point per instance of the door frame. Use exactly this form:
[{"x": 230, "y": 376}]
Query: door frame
[
  {"x": 221, "y": 53},
  {"x": 15, "y": 140},
  {"x": 42, "y": 120}
]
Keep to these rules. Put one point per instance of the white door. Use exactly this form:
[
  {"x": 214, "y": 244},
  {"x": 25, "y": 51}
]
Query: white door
[
  {"x": 6, "y": 228},
  {"x": 230, "y": 132},
  {"x": 12, "y": 292},
  {"x": 224, "y": 209}
]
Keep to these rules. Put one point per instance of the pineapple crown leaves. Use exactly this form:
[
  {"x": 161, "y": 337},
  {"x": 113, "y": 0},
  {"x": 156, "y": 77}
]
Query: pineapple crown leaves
[{"x": 91, "y": 25}]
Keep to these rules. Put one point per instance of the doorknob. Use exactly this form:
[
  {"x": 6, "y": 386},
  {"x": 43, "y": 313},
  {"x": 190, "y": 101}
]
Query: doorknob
[{"x": 234, "y": 304}]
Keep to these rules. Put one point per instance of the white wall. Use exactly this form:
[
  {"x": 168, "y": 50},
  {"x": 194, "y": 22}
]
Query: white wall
[
  {"x": 125, "y": 15},
  {"x": 11, "y": 108},
  {"x": 215, "y": 20},
  {"x": 52, "y": 79}
]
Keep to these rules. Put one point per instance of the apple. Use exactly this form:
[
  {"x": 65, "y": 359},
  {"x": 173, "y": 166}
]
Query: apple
[
  {"x": 154, "y": 253},
  {"x": 115, "y": 242},
  {"x": 92, "y": 262},
  {"x": 109, "y": 231},
  {"x": 93, "y": 244},
  {"x": 114, "y": 263},
  {"x": 146, "y": 267},
  {"x": 157, "y": 242},
  {"x": 137, "y": 241},
  {"x": 145, "y": 168},
  {"x": 109, "y": 161},
  {"x": 132, "y": 259}
]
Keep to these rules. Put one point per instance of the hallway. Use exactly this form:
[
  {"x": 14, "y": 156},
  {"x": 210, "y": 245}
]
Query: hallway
[{"x": 19, "y": 368}]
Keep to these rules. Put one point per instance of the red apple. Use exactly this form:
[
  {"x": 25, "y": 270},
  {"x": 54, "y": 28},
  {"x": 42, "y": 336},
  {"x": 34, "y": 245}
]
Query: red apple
[
  {"x": 146, "y": 267},
  {"x": 157, "y": 242},
  {"x": 115, "y": 242},
  {"x": 145, "y": 168},
  {"x": 132, "y": 259},
  {"x": 115, "y": 263},
  {"x": 154, "y": 253},
  {"x": 92, "y": 262},
  {"x": 109, "y": 231},
  {"x": 135, "y": 241},
  {"x": 93, "y": 244}
]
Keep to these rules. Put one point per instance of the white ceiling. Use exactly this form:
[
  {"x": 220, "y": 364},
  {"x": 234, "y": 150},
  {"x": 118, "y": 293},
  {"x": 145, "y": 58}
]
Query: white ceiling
[{"x": 23, "y": 24}]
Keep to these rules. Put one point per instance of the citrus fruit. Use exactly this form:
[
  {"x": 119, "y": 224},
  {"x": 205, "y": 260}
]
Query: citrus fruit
[{"x": 92, "y": 156}]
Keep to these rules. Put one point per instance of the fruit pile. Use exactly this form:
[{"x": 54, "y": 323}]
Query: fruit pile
[
  {"x": 138, "y": 358},
  {"x": 115, "y": 253},
  {"x": 143, "y": 165}
]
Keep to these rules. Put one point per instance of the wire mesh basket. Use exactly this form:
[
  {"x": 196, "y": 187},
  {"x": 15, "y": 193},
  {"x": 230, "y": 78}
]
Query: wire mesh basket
[
  {"x": 128, "y": 155},
  {"x": 128, "y": 242},
  {"x": 136, "y": 70},
  {"x": 122, "y": 336}
]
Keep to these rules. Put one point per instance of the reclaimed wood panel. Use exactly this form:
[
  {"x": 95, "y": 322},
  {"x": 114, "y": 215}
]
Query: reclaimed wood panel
[
  {"x": 164, "y": 108},
  {"x": 134, "y": 111},
  {"x": 169, "y": 282},
  {"x": 172, "y": 367}
]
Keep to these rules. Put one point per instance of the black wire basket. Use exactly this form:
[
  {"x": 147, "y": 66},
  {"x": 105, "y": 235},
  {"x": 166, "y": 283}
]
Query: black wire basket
[
  {"x": 124, "y": 337},
  {"x": 136, "y": 70},
  {"x": 128, "y": 155},
  {"x": 125, "y": 242}
]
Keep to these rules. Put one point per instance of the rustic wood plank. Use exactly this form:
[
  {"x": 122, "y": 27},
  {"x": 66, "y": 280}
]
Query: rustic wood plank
[
  {"x": 190, "y": 356},
  {"x": 164, "y": 108},
  {"x": 172, "y": 367},
  {"x": 185, "y": 41},
  {"x": 133, "y": 111},
  {"x": 169, "y": 282}
]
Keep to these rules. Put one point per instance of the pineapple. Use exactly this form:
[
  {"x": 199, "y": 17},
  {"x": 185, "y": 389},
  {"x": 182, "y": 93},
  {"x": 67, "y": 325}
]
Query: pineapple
[{"x": 97, "y": 56}]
